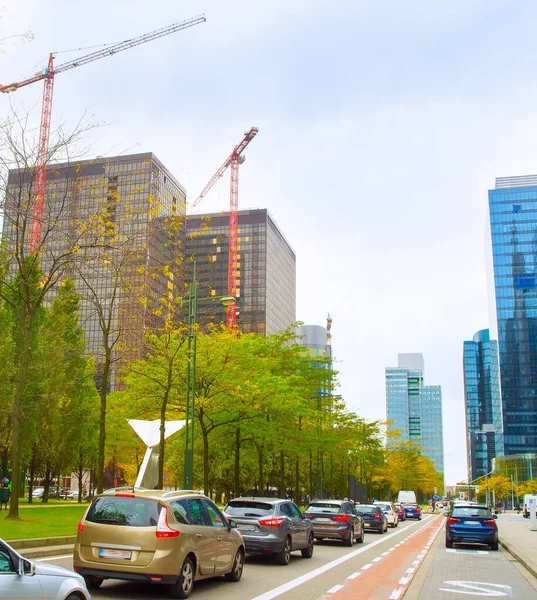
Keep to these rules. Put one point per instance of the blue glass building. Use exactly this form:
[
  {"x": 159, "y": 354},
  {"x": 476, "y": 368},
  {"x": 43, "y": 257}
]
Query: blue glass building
[
  {"x": 513, "y": 221},
  {"x": 415, "y": 409},
  {"x": 483, "y": 404}
]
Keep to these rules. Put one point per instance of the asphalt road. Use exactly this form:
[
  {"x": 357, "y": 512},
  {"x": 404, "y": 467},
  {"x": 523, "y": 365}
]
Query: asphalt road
[{"x": 381, "y": 561}]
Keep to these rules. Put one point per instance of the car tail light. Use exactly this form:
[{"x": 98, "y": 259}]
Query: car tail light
[
  {"x": 377, "y": 517},
  {"x": 163, "y": 529},
  {"x": 453, "y": 520},
  {"x": 418, "y": 509},
  {"x": 275, "y": 522},
  {"x": 342, "y": 518},
  {"x": 81, "y": 525},
  {"x": 490, "y": 522},
  {"x": 311, "y": 517}
]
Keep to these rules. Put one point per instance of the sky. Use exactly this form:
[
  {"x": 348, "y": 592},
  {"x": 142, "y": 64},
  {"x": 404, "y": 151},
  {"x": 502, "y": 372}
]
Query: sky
[{"x": 382, "y": 124}]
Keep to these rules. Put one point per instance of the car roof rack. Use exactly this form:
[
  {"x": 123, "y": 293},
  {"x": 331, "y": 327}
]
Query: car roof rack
[
  {"x": 125, "y": 488},
  {"x": 180, "y": 493}
]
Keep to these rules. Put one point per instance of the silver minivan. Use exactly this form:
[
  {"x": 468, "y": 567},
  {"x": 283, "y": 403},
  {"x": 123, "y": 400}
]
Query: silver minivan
[{"x": 272, "y": 526}]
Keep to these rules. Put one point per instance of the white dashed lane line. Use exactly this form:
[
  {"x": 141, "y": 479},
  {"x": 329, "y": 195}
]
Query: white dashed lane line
[{"x": 335, "y": 589}]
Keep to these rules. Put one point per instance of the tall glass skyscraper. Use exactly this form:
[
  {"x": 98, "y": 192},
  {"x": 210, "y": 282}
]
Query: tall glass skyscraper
[
  {"x": 484, "y": 427},
  {"x": 414, "y": 409},
  {"x": 513, "y": 220}
]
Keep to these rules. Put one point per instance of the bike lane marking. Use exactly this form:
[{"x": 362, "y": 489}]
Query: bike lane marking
[
  {"x": 393, "y": 575},
  {"x": 274, "y": 593}
]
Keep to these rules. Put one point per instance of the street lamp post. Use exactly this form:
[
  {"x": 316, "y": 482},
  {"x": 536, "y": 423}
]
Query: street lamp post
[{"x": 188, "y": 470}]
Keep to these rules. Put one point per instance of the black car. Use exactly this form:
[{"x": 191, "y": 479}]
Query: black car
[
  {"x": 336, "y": 520},
  {"x": 373, "y": 517},
  {"x": 272, "y": 526}
]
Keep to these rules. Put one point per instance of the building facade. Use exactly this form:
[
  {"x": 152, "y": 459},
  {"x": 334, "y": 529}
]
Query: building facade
[
  {"x": 414, "y": 409},
  {"x": 122, "y": 220},
  {"x": 513, "y": 222},
  {"x": 483, "y": 405},
  {"x": 266, "y": 270}
]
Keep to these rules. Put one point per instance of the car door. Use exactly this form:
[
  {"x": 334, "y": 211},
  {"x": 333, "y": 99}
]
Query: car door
[
  {"x": 12, "y": 585},
  {"x": 205, "y": 535},
  {"x": 348, "y": 509},
  {"x": 302, "y": 526},
  {"x": 225, "y": 552}
]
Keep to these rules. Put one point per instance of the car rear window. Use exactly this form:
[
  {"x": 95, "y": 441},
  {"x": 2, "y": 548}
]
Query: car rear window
[
  {"x": 322, "y": 507},
  {"x": 367, "y": 509},
  {"x": 470, "y": 511},
  {"x": 130, "y": 512},
  {"x": 248, "y": 508}
]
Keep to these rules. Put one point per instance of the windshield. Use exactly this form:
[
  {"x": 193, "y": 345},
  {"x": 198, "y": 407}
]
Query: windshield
[
  {"x": 471, "y": 511},
  {"x": 248, "y": 508},
  {"x": 364, "y": 510},
  {"x": 325, "y": 508},
  {"x": 131, "y": 512}
]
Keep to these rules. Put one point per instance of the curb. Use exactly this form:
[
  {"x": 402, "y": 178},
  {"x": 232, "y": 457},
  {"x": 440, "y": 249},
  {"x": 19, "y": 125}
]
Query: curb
[
  {"x": 24, "y": 544},
  {"x": 42, "y": 552},
  {"x": 519, "y": 558}
]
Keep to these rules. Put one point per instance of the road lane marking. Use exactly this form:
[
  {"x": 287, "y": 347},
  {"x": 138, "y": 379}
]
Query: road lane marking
[
  {"x": 281, "y": 589},
  {"x": 377, "y": 559},
  {"x": 385, "y": 554},
  {"x": 365, "y": 567},
  {"x": 335, "y": 589},
  {"x": 411, "y": 570},
  {"x": 478, "y": 588},
  {"x": 353, "y": 575},
  {"x": 457, "y": 551},
  {"x": 396, "y": 594},
  {"x": 404, "y": 580}
]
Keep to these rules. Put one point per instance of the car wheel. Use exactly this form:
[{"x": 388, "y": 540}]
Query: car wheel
[
  {"x": 360, "y": 540},
  {"x": 283, "y": 557},
  {"x": 238, "y": 564},
  {"x": 308, "y": 552},
  {"x": 397, "y": 523},
  {"x": 386, "y": 528},
  {"x": 72, "y": 597},
  {"x": 349, "y": 541},
  {"x": 92, "y": 582},
  {"x": 185, "y": 583},
  {"x": 494, "y": 545},
  {"x": 449, "y": 543}
]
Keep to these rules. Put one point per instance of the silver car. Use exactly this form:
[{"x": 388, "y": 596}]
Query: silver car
[
  {"x": 22, "y": 578},
  {"x": 272, "y": 526}
]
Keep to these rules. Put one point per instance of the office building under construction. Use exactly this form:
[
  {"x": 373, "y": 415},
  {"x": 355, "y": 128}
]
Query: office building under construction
[{"x": 266, "y": 270}]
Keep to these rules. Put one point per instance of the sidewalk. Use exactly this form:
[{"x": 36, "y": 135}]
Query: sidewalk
[{"x": 518, "y": 540}]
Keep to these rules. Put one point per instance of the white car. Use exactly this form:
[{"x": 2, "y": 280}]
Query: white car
[
  {"x": 23, "y": 578},
  {"x": 391, "y": 513},
  {"x": 38, "y": 492}
]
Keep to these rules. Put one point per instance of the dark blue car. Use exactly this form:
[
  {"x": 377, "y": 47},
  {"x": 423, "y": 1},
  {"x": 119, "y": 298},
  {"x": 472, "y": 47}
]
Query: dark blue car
[
  {"x": 413, "y": 511},
  {"x": 472, "y": 523}
]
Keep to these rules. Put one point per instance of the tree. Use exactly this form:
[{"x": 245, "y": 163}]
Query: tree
[
  {"x": 27, "y": 290},
  {"x": 12, "y": 39}
]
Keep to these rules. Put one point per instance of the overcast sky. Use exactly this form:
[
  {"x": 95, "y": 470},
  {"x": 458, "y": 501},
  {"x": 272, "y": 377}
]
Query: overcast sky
[{"x": 382, "y": 124}]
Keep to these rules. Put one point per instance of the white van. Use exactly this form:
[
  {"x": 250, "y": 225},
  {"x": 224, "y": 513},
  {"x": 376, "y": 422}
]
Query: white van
[
  {"x": 406, "y": 496},
  {"x": 526, "y": 505}
]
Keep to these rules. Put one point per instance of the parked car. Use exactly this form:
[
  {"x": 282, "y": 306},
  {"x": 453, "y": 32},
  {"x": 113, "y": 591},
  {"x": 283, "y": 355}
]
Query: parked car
[
  {"x": 390, "y": 512},
  {"x": 272, "y": 526},
  {"x": 23, "y": 578},
  {"x": 73, "y": 495},
  {"x": 154, "y": 536},
  {"x": 336, "y": 520},
  {"x": 413, "y": 511},
  {"x": 38, "y": 492},
  {"x": 401, "y": 514},
  {"x": 373, "y": 517},
  {"x": 472, "y": 523}
]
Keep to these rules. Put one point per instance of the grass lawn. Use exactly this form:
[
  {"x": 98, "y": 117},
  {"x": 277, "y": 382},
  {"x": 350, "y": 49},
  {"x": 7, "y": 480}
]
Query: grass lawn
[{"x": 39, "y": 520}]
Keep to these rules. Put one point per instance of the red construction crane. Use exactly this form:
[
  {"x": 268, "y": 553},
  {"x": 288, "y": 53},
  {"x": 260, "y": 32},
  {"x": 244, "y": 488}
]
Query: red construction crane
[
  {"x": 234, "y": 159},
  {"x": 47, "y": 75}
]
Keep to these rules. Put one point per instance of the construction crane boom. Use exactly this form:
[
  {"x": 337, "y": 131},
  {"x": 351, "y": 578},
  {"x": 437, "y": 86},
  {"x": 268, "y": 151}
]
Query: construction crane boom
[
  {"x": 47, "y": 75},
  {"x": 233, "y": 160},
  {"x": 109, "y": 51}
]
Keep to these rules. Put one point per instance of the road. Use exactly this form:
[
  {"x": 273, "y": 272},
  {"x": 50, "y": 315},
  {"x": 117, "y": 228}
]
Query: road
[{"x": 381, "y": 569}]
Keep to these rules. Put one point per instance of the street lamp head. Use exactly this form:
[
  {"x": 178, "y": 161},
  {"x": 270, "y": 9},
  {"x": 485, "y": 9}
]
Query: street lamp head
[{"x": 227, "y": 300}]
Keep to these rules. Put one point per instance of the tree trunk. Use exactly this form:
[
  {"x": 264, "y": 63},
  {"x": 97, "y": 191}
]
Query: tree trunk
[
  {"x": 103, "y": 394},
  {"x": 16, "y": 434},
  {"x": 261, "y": 474},
  {"x": 237, "y": 460},
  {"x": 205, "y": 437},
  {"x": 298, "y": 495},
  {"x": 282, "y": 475},
  {"x": 162, "y": 440}
]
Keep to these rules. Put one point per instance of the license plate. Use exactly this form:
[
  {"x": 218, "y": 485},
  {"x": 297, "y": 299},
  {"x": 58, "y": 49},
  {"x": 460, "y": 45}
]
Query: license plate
[
  {"x": 472, "y": 522},
  {"x": 121, "y": 554},
  {"x": 323, "y": 520},
  {"x": 247, "y": 527},
  {"x": 366, "y": 524}
]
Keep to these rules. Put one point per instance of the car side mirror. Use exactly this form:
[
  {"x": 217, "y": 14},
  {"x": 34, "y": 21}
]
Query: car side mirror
[
  {"x": 232, "y": 523},
  {"x": 26, "y": 567},
  {"x": 494, "y": 516}
]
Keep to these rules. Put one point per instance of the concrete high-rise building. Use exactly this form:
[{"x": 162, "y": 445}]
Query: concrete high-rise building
[
  {"x": 118, "y": 212},
  {"x": 513, "y": 221},
  {"x": 266, "y": 270},
  {"x": 482, "y": 399},
  {"x": 415, "y": 409}
]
